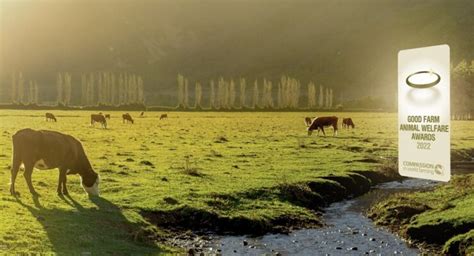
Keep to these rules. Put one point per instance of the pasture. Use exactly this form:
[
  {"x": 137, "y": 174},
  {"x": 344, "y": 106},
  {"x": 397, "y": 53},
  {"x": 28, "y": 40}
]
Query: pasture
[{"x": 216, "y": 163}]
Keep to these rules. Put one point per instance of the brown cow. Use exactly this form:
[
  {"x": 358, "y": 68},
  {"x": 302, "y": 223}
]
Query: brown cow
[
  {"x": 142, "y": 114},
  {"x": 163, "y": 116},
  {"x": 319, "y": 123},
  {"x": 99, "y": 118},
  {"x": 127, "y": 118},
  {"x": 50, "y": 117},
  {"x": 47, "y": 150},
  {"x": 107, "y": 116},
  {"x": 346, "y": 122}
]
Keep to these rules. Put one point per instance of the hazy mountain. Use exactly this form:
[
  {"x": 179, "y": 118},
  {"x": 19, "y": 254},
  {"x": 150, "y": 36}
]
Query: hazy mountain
[{"x": 348, "y": 45}]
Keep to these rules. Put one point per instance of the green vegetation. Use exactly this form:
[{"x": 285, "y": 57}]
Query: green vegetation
[
  {"x": 255, "y": 171},
  {"x": 443, "y": 217}
]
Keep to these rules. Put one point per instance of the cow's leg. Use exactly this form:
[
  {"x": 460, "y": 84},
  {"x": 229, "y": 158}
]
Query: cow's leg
[
  {"x": 62, "y": 190},
  {"x": 65, "y": 191},
  {"x": 322, "y": 129},
  {"x": 14, "y": 172},
  {"x": 27, "y": 174}
]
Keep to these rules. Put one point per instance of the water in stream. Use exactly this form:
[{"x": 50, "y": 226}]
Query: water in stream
[{"x": 348, "y": 231}]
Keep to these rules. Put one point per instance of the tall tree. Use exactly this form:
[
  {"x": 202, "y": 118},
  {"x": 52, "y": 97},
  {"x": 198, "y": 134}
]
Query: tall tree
[
  {"x": 198, "y": 96},
  {"x": 180, "y": 80},
  {"x": 243, "y": 84},
  {"x": 113, "y": 90},
  {"x": 36, "y": 93},
  {"x": 255, "y": 95},
  {"x": 84, "y": 99},
  {"x": 31, "y": 91},
  {"x": 140, "y": 87},
  {"x": 327, "y": 98},
  {"x": 59, "y": 89},
  {"x": 67, "y": 89},
  {"x": 212, "y": 97},
  {"x": 91, "y": 90},
  {"x": 232, "y": 94},
  {"x": 267, "y": 97},
  {"x": 14, "y": 89},
  {"x": 331, "y": 97},
  {"x": 186, "y": 93},
  {"x": 279, "y": 96},
  {"x": 311, "y": 95},
  {"x": 321, "y": 96},
  {"x": 221, "y": 92},
  {"x": 21, "y": 88}
]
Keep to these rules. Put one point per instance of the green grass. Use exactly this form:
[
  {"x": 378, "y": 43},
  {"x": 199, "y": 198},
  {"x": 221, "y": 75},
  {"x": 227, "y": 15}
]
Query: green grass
[
  {"x": 435, "y": 216},
  {"x": 214, "y": 162}
]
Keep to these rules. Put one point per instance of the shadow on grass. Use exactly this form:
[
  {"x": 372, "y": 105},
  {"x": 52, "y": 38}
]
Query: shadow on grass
[{"x": 99, "y": 230}]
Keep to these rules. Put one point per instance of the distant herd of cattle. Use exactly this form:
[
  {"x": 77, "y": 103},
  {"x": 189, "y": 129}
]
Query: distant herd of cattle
[
  {"x": 317, "y": 123},
  {"x": 102, "y": 118}
]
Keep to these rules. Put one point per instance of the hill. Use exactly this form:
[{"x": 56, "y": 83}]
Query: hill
[{"x": 350, "y": 46}]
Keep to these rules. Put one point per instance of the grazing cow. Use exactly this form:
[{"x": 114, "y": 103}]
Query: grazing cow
[
  {"x": 107, "y": 116},
  {"x": 142, "y": 114},
  {"x": 163, "y": 116},
  {"x": 50, "y": 117},
  {"x": 47, "y": 150},
  {"x": 346, "y": 122},
  {"x": 127, "y": 118},
  {"x": 99, "y": 118},
  {"x": 319, "y": 123}
]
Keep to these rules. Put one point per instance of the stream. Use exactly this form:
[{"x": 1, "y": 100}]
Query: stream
[{"x": 347, "y": 232}]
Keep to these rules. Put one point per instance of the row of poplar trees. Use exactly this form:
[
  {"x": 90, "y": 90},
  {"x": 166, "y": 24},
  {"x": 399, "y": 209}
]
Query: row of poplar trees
[
  {"x": 96, "y": 88},
  {"x": 23, "y": 92},
  {"x": 110, "y": 89},
  {"x": 285, "y": 94}
]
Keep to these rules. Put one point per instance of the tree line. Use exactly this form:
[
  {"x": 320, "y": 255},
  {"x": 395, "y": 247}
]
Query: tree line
[
  {"x": 462, "y": 90},
  {"x": 94, "y": 88},
  {"x": 233, "y": 94},
  {"x": 23, "y": 92}
]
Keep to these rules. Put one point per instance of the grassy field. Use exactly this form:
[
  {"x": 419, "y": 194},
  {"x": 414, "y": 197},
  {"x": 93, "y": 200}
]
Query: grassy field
[{"x": 230, "y": 165}]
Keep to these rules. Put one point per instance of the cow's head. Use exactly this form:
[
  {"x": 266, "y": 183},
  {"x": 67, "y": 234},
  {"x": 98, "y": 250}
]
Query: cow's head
[
  {"x": 309, "y": 123},
  {"x": 91, "y": 187}
]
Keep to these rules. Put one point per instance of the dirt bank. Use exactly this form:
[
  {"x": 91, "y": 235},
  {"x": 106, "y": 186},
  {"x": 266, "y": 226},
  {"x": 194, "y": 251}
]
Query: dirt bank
[
  {"x": 437, "y": 220},
  {"x": 312, "y": 195}
]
